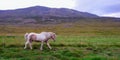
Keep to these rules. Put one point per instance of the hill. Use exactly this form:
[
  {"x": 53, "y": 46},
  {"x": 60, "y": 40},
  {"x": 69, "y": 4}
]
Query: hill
[
  {"x": 44, "y": 11},
  {"x": 41, "y": 14}
]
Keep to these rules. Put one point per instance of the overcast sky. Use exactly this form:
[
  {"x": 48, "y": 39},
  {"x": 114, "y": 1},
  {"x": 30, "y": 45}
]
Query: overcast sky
[{"x": 98, "y": 7}]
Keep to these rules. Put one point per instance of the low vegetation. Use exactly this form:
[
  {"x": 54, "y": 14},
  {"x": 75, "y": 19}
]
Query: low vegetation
[{"x": 83, "y": 40}]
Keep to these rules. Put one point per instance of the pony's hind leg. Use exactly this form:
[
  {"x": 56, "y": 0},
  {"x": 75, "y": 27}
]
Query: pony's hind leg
[
  {"x": 41, "y": 48},
  {"x": 26, "y": 44},
  {"x": 30, "y": 44}
]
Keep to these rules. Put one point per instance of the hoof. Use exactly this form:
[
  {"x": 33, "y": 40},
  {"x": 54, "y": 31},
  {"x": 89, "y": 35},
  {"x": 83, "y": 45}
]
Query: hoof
[{"x": 41, "y": 49}]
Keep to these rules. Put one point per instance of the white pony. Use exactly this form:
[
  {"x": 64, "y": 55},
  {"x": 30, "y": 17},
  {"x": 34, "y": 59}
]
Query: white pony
[{"x": 41, "y": 37}]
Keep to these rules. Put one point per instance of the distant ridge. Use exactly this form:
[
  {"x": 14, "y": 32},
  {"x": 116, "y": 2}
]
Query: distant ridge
[
  {"x": 41, "y": 15},
  {"x": 45, "y": 11}
]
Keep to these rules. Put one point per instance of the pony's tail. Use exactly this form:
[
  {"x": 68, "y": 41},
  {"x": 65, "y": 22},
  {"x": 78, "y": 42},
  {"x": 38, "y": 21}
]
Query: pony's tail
[{"x": 26, "y": 36}]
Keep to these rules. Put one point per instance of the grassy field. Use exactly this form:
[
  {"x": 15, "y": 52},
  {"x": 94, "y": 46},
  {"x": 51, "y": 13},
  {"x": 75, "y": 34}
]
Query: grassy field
[{"x": 93, "y": 40}]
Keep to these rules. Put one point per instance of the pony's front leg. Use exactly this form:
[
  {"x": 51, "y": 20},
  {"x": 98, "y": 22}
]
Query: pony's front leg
[
  {"x": 41, "y": 48},
  {"x": 48, "y": 45}
]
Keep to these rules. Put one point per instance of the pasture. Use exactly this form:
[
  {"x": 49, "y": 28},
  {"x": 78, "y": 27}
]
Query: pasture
[{"x": 83, "y": 40}]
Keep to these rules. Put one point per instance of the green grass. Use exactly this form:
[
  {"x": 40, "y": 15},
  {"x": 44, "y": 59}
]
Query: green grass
[
  {"x": 84, "y": 40},
  {"x": 65, "y": 47}
]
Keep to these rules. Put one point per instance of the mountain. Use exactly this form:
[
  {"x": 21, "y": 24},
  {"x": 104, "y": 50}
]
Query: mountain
[
  {"x": 45, "y": 11},
  {"x": 39, "y": 13}
]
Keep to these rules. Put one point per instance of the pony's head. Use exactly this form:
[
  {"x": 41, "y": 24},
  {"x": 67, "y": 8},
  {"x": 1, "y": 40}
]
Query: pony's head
[{"x": 53, "y": 35}]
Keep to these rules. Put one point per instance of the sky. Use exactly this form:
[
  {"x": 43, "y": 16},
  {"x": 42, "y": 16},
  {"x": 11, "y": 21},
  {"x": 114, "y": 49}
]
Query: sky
[{"x": 99, "y": 7}]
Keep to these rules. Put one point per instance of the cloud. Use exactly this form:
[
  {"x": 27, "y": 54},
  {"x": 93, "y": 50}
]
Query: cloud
[
  {"x": 112, "y": 8},
  {"x": 15, "y": 4},
  {"x": 98, "y": 7},
  {"x": 112, "y": 15}
]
